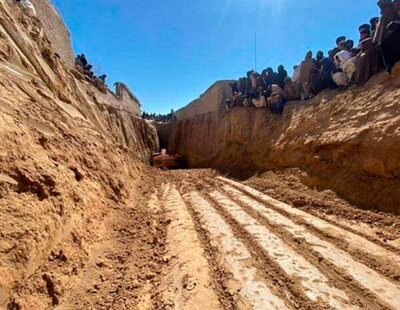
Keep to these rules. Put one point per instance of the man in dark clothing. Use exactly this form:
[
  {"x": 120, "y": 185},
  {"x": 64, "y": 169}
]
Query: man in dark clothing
[
  {"x": 78, "y": 62},
  {"x": 387, "y": 35},
  {"x": 388, "y": 14},
  {"x": 83, "y": 60},
  {"x": 364, "y": 27},
  {"x": 331, "y": 55},
  {"x": 342, "y": 46},
  {"x": 103, "y": 77},
  {"x": 276, "y": 101},
  {"x": 241, "y": 92},
  {"x": 235, "y": 93},
  {"x": 88, "y": 71},
  {"x": 242, "y": 85},
  {"x": 349, "y": 45},
  {"x": 234, "y": 86},
  {"x": 365, "y": 34},
  {"x": 281, "y": 76},
  {"x": 318, "y": 58},
  {"x": 368, "y": 59},
  {"x": 316, "y": 81},
  {"x": 340, "y": 39},
  {"x": 250, "y": 92},
  {"x": 264, "y": 78},
  {"x": 327, "y": 67},
  {"x": 100, "y": 83},
  {"x": 269, "y": 78},
  {"x": 374, "y": 24}
]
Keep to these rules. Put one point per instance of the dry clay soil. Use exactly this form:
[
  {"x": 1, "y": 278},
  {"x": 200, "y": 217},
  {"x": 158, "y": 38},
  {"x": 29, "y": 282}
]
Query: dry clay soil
[
  {"x": 103, "y": 231},
  {"x": 197, "y": 240}
]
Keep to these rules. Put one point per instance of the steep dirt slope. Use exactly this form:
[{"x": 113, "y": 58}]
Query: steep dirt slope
[
  {"x": 347, "y": 141},
  {"x": 72, "y": 174},
  {"x": 55, "y": 30}
]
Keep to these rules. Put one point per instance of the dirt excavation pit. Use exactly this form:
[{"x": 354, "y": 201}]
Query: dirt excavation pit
[
  {"x": 269, "y": 254},
  {"x": 193, "y": 239},
  {"x": 222, "y": 244},
  {"x": 86, "y": 223}
]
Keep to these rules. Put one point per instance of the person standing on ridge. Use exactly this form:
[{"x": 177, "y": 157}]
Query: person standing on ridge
[
  {"x": 304, "y": 81},
  {"x": 281, "y": 76},
  {"x": 316, "y": 81},
  {"x": 296, "y": 73},
  {"x": 368, "y": 60},
  {"x": 326, "y": 70},
  {"x": 387, "y": 34},
  {"x": 349, "y": 45},
  {"x": 374, "y": 23}
]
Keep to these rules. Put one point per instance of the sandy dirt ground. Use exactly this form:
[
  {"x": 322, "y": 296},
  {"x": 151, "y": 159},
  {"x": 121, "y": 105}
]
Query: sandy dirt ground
[
  {"x": 231, "y": 246},
  {"x": 287, "y": 186},
  {"x": 193, "y": 239}
]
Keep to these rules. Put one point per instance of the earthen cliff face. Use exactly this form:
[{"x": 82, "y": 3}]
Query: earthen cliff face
[
  {"x": 346, "y": 141},
  {"x": 55, "y": 30},
  {"x": 68, "y": 157},
  {"x": 53, "y": 27},
  {"x": 208, "y": 102}
]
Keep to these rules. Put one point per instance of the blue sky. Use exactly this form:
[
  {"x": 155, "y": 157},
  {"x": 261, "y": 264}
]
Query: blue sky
[{"x": 169, "y": 52}]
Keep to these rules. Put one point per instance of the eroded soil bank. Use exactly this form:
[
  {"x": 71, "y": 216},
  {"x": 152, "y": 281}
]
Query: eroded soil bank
[{"x": 73, "y": 166}]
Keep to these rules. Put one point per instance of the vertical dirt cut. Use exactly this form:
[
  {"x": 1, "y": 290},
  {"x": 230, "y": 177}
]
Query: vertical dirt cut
[{"x": 71, "y": 181}]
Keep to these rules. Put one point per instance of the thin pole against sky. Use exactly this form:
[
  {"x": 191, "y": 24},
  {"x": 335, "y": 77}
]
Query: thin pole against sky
[{"x": 255, "y": 51}]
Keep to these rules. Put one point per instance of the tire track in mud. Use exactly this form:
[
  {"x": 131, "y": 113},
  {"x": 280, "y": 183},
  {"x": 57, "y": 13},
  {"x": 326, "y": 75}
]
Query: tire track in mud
[
  {"x": 286, "y": 286},
  {"x": 335, "y": 263},
  {"x": 187, "y": 281},
  {"x": 307, "y": 278},
  {"x": 246, "y": 284},
  {"x": 218, "y": 272},
  {"x": 359, "y": 244},
  {"x": 358, "y": 248}
]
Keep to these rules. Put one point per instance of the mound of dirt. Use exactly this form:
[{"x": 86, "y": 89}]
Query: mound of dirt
[{"x": 346, "y": 141}]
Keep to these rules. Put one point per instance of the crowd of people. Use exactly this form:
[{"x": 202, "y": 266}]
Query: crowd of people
[
  {"x": 345, "y": 64},
  {"x": 87, "y": 69}
]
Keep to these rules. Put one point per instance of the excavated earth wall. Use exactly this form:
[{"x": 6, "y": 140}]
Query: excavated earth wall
[
  {"x": 55, "y": 29},
  {"x": 70, "y": 165},
  {"x": 347, "y": 141}
]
